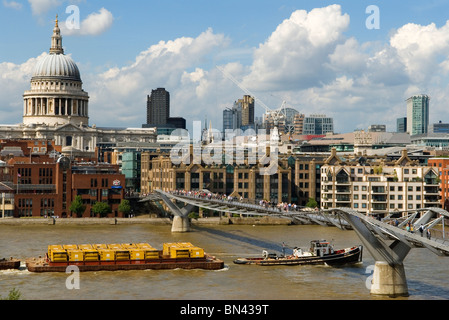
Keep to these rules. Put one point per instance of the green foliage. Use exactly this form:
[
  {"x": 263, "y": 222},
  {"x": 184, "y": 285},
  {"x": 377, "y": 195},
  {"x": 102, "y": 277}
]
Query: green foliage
[
  {"x": 77, "y": 206},
  {"x": 312, "y": 203},
  {"x": 101, "y": 208},
  {"x": 124, "y": 207},
  {"x": 14, "y": 294}
]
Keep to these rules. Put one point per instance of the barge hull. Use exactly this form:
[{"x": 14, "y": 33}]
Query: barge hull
[
  {"x": 157, "y": 264},
  {"x": 9, "y": 264}
]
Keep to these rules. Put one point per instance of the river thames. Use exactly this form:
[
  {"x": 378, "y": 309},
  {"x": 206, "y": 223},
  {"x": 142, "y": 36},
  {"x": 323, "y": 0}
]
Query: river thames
[{"x": 427, "y": 274}]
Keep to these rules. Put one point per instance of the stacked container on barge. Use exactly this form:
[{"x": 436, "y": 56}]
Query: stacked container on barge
[{"x": 135, "y": 256}]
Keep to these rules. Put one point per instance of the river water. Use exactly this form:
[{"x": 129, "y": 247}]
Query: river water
[{"x": 427, "y": 273}]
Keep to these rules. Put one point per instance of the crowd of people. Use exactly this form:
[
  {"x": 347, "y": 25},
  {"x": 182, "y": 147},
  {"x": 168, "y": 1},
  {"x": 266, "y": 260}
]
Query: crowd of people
[{"x": 281, "y": 206}]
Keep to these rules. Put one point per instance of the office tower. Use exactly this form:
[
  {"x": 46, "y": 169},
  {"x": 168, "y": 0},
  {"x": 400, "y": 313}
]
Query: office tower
[
  {"x": 298, "y": 122},
  {"x": 439, "y": 127},
  {"x": 418, "y": 114},
  {"x": 247, "y": 106},
  {"x": 377, "y": 128},
  {"x": 227, "y": 119},
  {"x": 317, "y": 124},
  {"x": 158, "y": 107},
  {"x": 401, "y": 125}
]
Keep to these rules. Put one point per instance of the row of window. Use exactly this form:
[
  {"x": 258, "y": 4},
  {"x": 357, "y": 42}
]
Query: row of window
[{"x": 392, "y": 206}]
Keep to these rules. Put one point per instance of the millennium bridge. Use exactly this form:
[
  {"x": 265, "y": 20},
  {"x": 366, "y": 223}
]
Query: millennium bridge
[{"x": 388, "y": 240}]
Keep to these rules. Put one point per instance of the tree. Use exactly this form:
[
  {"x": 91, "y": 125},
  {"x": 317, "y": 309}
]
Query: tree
[
  {"x": 77, "y": 206},
  {"x": 101, "y": 208},
  {"x": 312, "y": 203},
  {"x": 124, "y": 207}
]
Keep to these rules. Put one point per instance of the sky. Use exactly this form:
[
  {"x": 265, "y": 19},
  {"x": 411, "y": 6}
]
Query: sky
[{"x": 342, "y": 59}]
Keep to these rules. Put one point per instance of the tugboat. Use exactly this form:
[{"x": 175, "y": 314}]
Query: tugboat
[
  {"x": 9, "y": 264},
  {"x": 321, "y": 252}
]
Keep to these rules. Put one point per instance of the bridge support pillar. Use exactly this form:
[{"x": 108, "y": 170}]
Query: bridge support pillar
[
  {"x": 180, "y": 224},
  {"x": 389, "y": 280}
]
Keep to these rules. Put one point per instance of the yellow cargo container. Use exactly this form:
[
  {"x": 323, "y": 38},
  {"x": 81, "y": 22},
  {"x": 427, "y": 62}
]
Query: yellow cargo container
[
  {"x": 91, "y": 255},
  {"x": 185, "y": 244},
  {"x": 129, "y": 246},
  {"x": 167, "y": 246},
  {"x": 137, "y": 254},
  {"x": 176, "y": 252},
  {"x": 144, "y": 246},
  {"x": 121, "y": 254},
  {"x": 106, "y": 254},
  {"x": 151, "y": 254},
  {"x": 196, "y": 252},
  {"x": 58, "y": 256},
  {"x": 115, "y": 246},
  {"x": 85, "y": 247},
  {"x": 70, "y": 246},
  {"x": 75, "y": 255},
  {"x": 99, "y": 246},
  {"x": 54, "y": 248}
]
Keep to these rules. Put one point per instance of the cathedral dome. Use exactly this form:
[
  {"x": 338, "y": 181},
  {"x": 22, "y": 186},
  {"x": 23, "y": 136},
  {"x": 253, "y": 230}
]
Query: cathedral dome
[{"x": 57, "y": 66}]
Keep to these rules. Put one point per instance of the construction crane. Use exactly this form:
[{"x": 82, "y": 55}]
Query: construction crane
[{"x": 276, "y": 115}]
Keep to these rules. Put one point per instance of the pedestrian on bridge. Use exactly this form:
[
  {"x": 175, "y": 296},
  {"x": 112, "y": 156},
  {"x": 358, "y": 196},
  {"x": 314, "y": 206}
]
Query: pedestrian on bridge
[
  {"x": 421, "y": 230},
  {"x": 428, "y": 234}
]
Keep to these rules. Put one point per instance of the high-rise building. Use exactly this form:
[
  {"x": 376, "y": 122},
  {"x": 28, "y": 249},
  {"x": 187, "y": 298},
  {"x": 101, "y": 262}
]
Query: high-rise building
[
  {"x": 227, "y": 119},
  {"x": 158, "y": 107},
  {"x": 401, "y": 125},
  {"x": 439, "y": 127},
  {"x": 377, "y": 128},
  {"x": 298, "y": 122},
  {"x": 240, "y": 116},
  {"x": 317, "y": 124},
  {"x": 247, "y": 105},
  {"x": 418, "y": 114}
]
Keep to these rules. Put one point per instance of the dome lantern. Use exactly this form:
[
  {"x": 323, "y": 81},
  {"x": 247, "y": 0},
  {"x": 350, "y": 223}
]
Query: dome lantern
[{"x": 56, "y": 40}]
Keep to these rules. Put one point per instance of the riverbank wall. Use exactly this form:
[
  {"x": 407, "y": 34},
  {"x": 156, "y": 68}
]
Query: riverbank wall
[{"x": 138, "y": 220}]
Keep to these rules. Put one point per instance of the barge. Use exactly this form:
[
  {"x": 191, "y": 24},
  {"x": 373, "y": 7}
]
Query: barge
[
  {"x": 9, "y": 264},
  {"x": 321, "y": 252},
  {"x": 114, "y": 257}
]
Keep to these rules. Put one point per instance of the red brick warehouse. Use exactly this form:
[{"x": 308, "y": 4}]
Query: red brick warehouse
[{"x": 48, "y": 189}]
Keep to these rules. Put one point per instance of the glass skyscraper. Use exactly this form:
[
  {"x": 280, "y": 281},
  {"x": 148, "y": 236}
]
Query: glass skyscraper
[{"x": 418, "y": 114}]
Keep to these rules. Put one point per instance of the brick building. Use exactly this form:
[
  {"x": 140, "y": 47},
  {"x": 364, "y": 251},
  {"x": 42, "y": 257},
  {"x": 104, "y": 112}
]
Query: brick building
[
  {"x": 442, "y": 164},
  {"x": 48, "y": 188}
]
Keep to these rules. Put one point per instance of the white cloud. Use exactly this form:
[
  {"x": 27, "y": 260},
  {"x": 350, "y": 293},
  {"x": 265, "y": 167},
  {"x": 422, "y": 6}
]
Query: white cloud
[
  {"x": 14, "y": 80},
  {"x": 12, "y": 4},
  {"x": 96, "y": 23},
  {"x": 39, "y": 7},
  {"x": 307, "y": 61},
  {"x": 165, "y": 64},
  {"x": 294, "y": 54}
]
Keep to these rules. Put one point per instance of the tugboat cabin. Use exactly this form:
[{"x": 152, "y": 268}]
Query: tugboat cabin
[{"x": 321, "y": 247}]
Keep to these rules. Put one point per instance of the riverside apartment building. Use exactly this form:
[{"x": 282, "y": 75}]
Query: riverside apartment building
[{"x": 378, "y": 187}]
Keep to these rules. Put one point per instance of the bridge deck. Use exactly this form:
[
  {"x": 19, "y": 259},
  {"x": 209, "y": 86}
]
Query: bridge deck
[{"x": 388, "y": 229}]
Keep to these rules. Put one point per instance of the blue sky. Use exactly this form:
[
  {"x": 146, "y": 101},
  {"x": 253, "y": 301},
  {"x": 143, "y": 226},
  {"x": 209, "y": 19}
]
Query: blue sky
[{"x": 356, "y": 75}]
